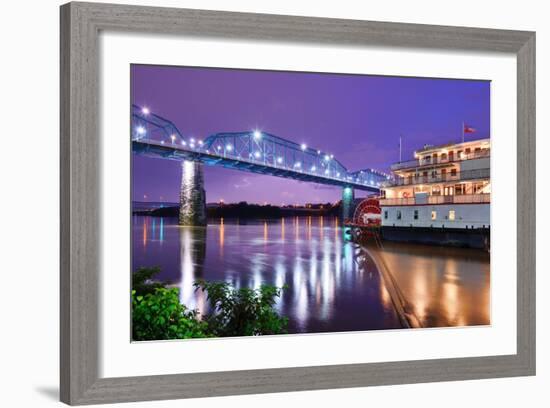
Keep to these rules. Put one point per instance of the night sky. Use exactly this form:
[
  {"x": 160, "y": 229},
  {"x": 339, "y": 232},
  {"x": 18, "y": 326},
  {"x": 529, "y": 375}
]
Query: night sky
[{"x": 358, "y": 118}]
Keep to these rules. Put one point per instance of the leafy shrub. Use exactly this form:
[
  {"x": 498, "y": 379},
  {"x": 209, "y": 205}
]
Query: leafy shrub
[
  {"x": 242, "y": 312},
  {"x": 161, "y": 316}
]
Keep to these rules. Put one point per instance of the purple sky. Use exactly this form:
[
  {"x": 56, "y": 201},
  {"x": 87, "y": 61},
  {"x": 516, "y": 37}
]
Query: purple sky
[{"x": 358, "y": 118}]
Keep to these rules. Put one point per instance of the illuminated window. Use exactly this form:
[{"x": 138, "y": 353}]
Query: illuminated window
[
  {"x": 452, "y": 215},
  {"x": 434, "y": 215}
]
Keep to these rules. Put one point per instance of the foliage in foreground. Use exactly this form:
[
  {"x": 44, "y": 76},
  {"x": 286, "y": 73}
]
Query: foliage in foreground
[
  {"x": 161, "y": 316},
  {"x": 157, "y": 313},
  {"x": 242, "y": 312}
]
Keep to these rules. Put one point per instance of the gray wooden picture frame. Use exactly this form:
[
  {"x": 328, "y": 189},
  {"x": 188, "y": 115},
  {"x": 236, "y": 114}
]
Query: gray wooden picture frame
[{"x": 81, "y": 24}]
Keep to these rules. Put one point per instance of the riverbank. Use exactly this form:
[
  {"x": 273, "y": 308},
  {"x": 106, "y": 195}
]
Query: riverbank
[{"x": 247, "y": 211}]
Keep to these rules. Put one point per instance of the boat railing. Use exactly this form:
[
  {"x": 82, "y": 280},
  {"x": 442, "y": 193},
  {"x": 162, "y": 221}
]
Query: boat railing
[{"x": 440, "y": 199}]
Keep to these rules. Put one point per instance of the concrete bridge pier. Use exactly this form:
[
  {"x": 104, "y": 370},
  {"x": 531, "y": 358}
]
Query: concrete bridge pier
[
  {"x": 192, "y": 194},
  {"x": 348, "y": 195}
]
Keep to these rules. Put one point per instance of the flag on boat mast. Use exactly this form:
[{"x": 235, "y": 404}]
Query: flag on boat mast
[
  {"x": 466, "y": 129},
  {"x": 399, "y": 148}
]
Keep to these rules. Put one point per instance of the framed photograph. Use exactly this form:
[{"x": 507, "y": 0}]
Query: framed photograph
[{"x": 261, "y": 203}]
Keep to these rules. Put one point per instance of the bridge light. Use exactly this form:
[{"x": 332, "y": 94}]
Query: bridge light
[
  {"x": 327, "y": 157},
  {"x": 337, "y": 174},
  {"x": 313, "y": 168},
  {"x": 162, "y": 142},
  {"x": 257, "y": 134},
  {"x": 192, "y": 140},
  {"x": 297, "y": 164},
  {"x": 326, "y": 171},
  {"x": 218, "y": 147},
  {"x": 145, "y": 110},
  {"x": 318, "y": 152},
  {"x": 173, "y": 137},
  {"x": 303, "y": 146},
  {"x": 279, "y": 159},
  {"x": 257, "y": 155},
  {"x": 201, "y": 142},
  {"x": 140, "y": 130},
  {"x": 183, "y": 143},
  {"x": 229, "y": 147},
  {"x": 192, "y": 145},
  {"x": 332, "y": 156}
]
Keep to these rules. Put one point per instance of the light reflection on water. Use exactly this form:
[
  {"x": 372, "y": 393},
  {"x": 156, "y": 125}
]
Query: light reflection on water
[
  {"x": 333, "y": 285},
  {"x": 445, "y": 286}
]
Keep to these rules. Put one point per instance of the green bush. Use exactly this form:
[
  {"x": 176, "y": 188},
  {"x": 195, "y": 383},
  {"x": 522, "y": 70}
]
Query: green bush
[
  {"x": 157, "y": 313},
  {"x": 242, "y": 312},
  {"x": 161, "y": 316}
]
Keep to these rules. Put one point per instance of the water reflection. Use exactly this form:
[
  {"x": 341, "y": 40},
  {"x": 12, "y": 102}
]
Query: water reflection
[
  {"x": 445, "y": 286},
  {"x": 333, "y": 285}
]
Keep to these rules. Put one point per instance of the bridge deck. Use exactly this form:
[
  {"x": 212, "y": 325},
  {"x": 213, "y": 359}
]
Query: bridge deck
[{"x": 174, "y": 152}]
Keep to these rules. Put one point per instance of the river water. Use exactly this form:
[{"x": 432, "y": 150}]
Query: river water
[{"x": 333, "y": 284}]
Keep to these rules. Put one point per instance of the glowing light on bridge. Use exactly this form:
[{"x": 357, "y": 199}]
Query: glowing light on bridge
[{"x": 265, "y": 153}]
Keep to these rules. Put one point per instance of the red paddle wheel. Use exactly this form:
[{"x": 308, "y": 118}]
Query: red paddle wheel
[{"x": 367, "y": 213}]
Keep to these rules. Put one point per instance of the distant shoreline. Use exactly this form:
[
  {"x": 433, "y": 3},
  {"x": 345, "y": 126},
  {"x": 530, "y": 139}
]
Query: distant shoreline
[{"x": 245, "y": 210}]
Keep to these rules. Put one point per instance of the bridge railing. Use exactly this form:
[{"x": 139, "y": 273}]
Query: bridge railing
[{"x": 255, "y": 147}]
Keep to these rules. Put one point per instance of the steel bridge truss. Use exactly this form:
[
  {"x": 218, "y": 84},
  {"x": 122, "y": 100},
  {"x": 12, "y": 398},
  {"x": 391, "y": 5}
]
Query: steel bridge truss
[{"x": 252, "y": 151}]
